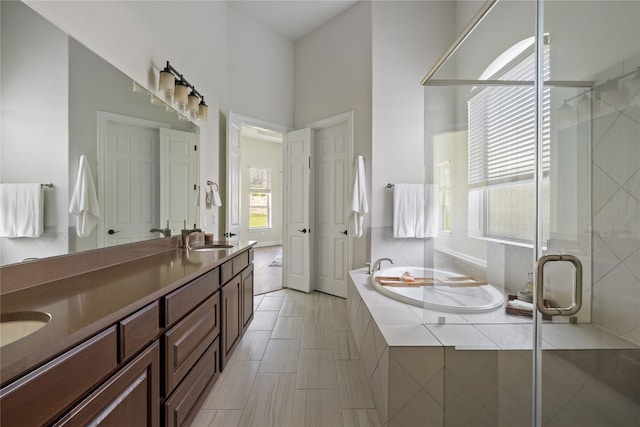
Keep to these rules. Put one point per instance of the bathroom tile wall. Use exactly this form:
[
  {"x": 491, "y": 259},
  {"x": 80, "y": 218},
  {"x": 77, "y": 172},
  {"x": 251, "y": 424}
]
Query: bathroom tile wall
[
  {"x": 616, "y": 205},
  {"x": 409, "y": 252},
  {"x": 51, "y": 243}
]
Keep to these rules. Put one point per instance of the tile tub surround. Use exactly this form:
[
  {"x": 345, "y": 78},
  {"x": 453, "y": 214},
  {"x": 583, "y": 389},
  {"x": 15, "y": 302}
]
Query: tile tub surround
[{"x": 476, "y": 369}]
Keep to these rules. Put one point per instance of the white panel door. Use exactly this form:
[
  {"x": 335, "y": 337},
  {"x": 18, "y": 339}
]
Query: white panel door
[
  {"x": 233, "y": 196},
  {"x": 178, "y": 179},
  {"x": 297, "y": 251},
  {"x": 332, "y": 177},
  {"x": 130, "y": 181}
]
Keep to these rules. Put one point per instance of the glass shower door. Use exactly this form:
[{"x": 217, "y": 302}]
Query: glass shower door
[
  {"x": 587, "y": 361},
  {"x": 541, "y": 179}
]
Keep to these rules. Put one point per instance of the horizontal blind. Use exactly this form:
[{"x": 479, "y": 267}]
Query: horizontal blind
[{"x": 502, "y": 127}]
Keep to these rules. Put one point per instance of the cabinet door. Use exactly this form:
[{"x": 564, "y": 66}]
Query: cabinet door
[
  {"x": 188, "y": 340},
  {"x": 247, "y": 297},
  {"x": 231, "y": 318},
  {"x": 129, "y": 398}
]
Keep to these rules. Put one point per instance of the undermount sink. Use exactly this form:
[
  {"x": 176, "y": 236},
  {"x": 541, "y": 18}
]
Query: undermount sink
[
  {"x": 212, "y": 247},
  {"x": 17, "y": 325}
]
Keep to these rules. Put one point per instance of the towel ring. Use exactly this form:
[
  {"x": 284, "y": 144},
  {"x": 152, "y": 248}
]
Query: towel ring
[{"x": 210, "y": 183}]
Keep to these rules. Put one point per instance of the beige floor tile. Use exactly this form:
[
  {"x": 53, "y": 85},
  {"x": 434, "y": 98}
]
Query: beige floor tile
[
  {"x": 317, "y": 408},
  {"x": 308, "y": 299},
  {"x": 271, "y": 303},
  {"x": 292, "y": 308},
  {"x": 281, "y": 356},
  {"x": 354, "y": 389},
  {"x": 252, "y": 345},
  {"x": 317, "y": 335},
  {"x": 270, "y": 402},
  {"x": 317, "y": 370},
  {"x": 263, "y": 321},
  {"x": 233, "y": 386},
  {"x": 345, "y": 346},
  {"x": 210, "y": 418},
  {"x": 360, "y": 418},
  {"x": 317, "y": 314},
  {"x": 287, "y": 327}
]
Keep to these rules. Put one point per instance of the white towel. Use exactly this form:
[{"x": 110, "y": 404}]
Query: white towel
[
  {"x": 84, "y": 202},
  {"x": 359, "y": 204},
  {"x": 21, "y": 210},
  {"x": 415, "y": 211},
  {"x": 216, "y": 198}
]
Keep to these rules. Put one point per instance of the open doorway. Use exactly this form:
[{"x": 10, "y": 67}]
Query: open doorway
[{"x": 261, "y": 203}]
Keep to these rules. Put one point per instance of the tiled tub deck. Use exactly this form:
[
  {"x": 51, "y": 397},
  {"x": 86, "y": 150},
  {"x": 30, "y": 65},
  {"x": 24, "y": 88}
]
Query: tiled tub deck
[{"x": 475, "y": 369}]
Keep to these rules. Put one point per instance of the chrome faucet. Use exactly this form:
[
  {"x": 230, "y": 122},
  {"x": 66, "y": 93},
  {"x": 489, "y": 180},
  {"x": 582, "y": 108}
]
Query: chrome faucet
[
  {"x": 186, "y": 233},
  {"x": 376, "y": 264},
  {"x": 166, "y": 232}
]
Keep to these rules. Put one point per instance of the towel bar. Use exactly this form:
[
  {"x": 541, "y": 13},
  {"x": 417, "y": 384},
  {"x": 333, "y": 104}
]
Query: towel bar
[{"x": 50, "y": 185}]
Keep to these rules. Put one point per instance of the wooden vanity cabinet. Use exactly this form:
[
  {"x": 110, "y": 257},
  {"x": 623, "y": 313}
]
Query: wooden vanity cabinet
[
  {"x": 236, "y": 300},
  {"x": 154, "y": 367},
  {"x": 190, "y": 347}
]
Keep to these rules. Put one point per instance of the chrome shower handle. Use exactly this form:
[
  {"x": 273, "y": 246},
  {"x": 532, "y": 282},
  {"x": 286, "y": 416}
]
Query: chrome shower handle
[{"x": 576, "y": 304}]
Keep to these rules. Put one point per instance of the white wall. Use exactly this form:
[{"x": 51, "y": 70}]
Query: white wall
[
  {"x": 260, "y": 71},
  {"x": 333, "y": 76},
  {"x": 408, "y": 38},
  {"x": 262, "y": 154}
]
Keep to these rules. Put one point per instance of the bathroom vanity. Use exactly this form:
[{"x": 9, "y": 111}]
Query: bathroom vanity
[{"x": 138, "y": 343}]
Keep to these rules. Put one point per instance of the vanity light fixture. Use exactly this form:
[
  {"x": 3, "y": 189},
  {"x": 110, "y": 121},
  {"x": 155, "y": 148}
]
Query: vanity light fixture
[
  {"x": 185, "y": 95},
  {"x": 180, "y": 94},
  {"x": 167, "y": 82},
  {"x": 193, "y": 102},
  {"x": 203, "y": 110}
]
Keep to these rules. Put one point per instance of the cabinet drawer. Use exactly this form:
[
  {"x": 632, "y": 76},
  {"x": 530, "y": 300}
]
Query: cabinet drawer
[
  {"x": 138, "y": 330},
  {"x": 183, "y": 300},
  {"x": 182, "y": 407},
  {"x": 226, "y": 272},
  {"x": 186, "y": 341},
  {"x": 240, "y": 262},
  {"x": 129, "y": 398},
  {"x": 51, "y": 389}
]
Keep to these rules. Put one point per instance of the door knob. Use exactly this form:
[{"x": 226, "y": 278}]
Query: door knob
[
  {"x": 304, "y": 230},
  {"x": 112, "y": 231},
  {"x": 229, "y": 234},
  {"x": 345, "y": 232}
]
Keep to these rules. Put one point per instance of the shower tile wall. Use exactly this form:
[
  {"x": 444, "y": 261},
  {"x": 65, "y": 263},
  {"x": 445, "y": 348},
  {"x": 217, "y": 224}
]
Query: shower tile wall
[
  {"x": 402, "y": 251},
  {"x": 616, "y": 206},
  {"x": 51, "y": 243}
]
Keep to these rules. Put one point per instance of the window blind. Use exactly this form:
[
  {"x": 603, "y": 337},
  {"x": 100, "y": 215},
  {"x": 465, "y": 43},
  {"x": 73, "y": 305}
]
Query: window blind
[{"x": 502, "y": 143}]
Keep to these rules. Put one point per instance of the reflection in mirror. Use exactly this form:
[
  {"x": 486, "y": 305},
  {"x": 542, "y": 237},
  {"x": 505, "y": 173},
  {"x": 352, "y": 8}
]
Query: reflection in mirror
[{"x": 61, "y": 101}]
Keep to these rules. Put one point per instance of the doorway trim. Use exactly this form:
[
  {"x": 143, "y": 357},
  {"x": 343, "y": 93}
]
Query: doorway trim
[{"x": 104, "y": 118}]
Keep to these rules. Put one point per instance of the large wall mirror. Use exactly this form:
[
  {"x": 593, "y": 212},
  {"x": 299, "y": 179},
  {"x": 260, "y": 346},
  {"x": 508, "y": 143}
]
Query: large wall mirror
[{"x": 60, "y": 101}]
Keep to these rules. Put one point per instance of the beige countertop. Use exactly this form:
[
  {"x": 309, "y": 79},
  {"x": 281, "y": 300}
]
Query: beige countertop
[{"x": 82, "y": 305}]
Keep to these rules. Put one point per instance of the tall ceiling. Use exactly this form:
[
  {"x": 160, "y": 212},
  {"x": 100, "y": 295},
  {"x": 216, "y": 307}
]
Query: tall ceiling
[{"x": 293, "y": 18}]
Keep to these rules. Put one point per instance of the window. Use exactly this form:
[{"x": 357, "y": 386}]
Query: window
[
  {"x": 259, "y": 198},
  {"x": 444, "y": 195},
  {"x": 502, "y": 150}
]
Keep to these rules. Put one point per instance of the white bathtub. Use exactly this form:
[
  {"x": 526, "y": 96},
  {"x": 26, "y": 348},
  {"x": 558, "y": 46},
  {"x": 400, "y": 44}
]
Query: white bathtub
[{"x": 459, "y": 299}]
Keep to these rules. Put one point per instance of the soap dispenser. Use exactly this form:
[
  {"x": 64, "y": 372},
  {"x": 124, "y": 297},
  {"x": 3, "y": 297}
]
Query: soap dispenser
[{"x": 527, "y": 294}]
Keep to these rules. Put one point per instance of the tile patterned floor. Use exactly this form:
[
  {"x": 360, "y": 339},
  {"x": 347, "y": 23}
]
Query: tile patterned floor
[{"x": 296, "y": 366}]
